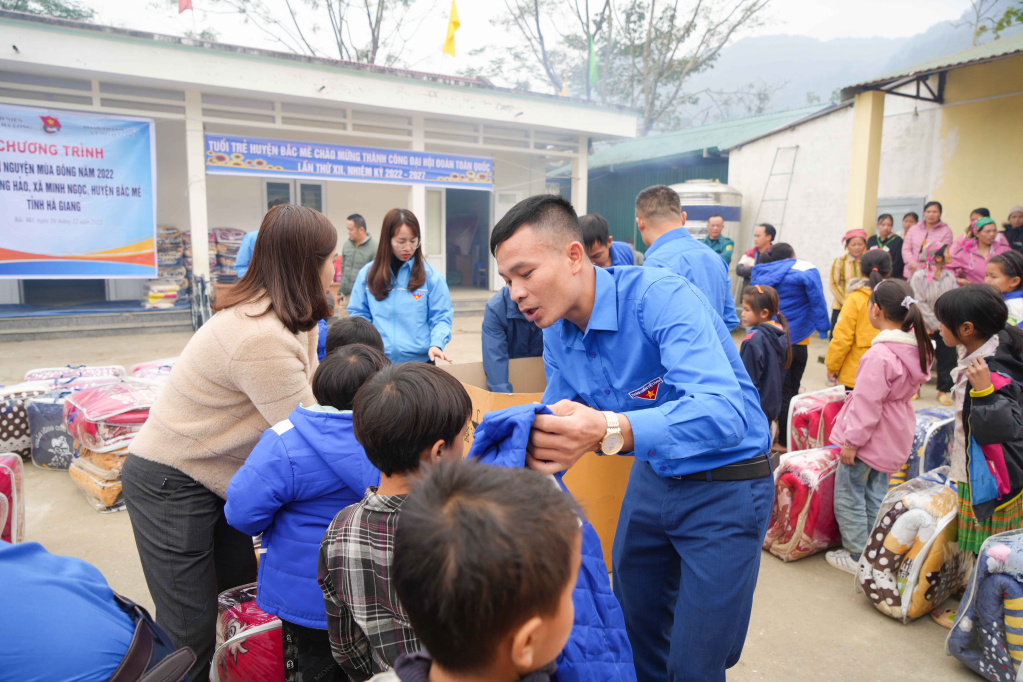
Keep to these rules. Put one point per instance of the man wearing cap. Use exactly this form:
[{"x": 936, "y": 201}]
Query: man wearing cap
[
  {"x": 639, "y": 364},
  {"x": 1014, "y": 228}
]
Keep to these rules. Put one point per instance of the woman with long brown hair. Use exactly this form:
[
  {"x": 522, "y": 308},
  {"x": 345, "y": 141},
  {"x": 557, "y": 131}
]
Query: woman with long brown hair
[
  {"x": 406, "y": 300},
  {"x": 243, "y": 371}
]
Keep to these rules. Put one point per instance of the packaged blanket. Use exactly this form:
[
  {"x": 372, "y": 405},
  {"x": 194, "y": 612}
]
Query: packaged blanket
[
  {"x": 598, "y": 648},
  {"x": 932, "y": 444},
  {"x": 803, "y": 520},
  {"x": 15, "y": 435},
  {"x": 811, "y": 417},
  {"x": 912, "y": 561},
  {"x": 249, "y": 645},
  {"x": 69, "y": 375},
  {"x": 52, "y": 443},
  {"x": 154, "y": 370},
  {"x": 988, "y": 632},
  {"x": 102, "y": 487},
  {"x": 108, "y": 461},
  {"x": 105, "y": 418},
  {"x": 12, "y": 527}
]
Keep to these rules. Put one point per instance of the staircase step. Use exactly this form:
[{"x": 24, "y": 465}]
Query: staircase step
[
  {"x": 138, "y": 318},
  {"x": 91, "y": 331}
]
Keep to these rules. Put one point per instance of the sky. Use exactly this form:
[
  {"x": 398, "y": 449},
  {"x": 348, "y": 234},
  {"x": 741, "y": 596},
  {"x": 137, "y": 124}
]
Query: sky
[{"x": 822, "y": 19}]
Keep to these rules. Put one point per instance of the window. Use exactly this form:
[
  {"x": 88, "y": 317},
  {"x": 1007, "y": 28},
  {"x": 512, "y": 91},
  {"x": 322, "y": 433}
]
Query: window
[{"x": 310, "y": 194}]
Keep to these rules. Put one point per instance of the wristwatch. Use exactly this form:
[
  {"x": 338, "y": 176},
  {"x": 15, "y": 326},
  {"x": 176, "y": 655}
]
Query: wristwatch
[{"x": 613, "y": 440}]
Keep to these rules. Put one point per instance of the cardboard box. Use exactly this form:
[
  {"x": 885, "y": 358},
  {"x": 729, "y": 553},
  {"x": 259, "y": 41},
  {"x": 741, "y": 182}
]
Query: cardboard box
[{"x": 597, "y": 483}]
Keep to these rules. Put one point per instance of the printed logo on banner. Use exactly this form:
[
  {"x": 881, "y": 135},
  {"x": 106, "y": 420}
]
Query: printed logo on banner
[
  {"x": 51, "y": 124},
  {"x": 647, "y": 391}
]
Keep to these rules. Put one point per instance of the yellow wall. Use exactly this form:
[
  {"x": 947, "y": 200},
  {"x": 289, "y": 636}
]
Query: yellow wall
[{"x": 979, "y": 143}]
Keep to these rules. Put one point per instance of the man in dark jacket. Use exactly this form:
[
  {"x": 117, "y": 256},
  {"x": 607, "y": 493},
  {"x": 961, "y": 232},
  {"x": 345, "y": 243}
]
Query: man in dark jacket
[
  {"x": 1014, "y": 228},
  {"x": 801, "y": 301},
  {"x": 763, "y": 239},
  {"x": 507, "y": 335}
]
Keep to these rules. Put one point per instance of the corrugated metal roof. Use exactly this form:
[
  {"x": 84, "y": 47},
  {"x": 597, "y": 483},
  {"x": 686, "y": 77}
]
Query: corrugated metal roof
[
  {"x": 690, "y": 141},
  {"x": 996, "y": 49}
]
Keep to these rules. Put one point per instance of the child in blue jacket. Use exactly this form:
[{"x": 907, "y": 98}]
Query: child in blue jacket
[
  {"x": 302, "y": 472},
  {"x": 766, "y": 351}
]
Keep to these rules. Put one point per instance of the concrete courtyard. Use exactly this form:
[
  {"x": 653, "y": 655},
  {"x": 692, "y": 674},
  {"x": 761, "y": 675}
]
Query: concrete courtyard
[{"x": 807, "y": 622}]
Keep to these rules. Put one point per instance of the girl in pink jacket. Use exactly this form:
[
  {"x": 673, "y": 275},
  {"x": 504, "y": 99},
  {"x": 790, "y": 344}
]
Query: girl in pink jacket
[
  {"x": 969, "y": 263},
  {"x": 876, "y": 425},
  {"x": 931, "y": 230}
]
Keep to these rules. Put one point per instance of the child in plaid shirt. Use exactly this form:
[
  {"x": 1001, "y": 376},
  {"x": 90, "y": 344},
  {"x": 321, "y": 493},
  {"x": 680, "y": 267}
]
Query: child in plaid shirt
[{"x": 404, "y": 416}]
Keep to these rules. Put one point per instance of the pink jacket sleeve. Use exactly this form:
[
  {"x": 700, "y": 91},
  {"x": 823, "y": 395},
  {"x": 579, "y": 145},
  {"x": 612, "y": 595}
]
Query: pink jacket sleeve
[
  {"x": 911, "y": 250},
  {"x": 862, "y": 410}
]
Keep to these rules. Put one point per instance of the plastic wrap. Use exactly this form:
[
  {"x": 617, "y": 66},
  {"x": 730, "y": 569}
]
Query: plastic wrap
[
  {"x": 803, "y": 520},
  {"x": 70, "y": 375},
  {"x": 932, "y": 444},
  {"x": 154, "y": 370},
  {"x": 15, "y": 435},
  {"x": 102, "y": 487},
  {"x": 107, "y": 417},
  {"x": 249, "y": 643},
  {"x": 52, "y": 443},
  {"x": 109, "y": 461},
  {"x": 987, "y": 635},
  {"x": 12, "y": 529},
  {"x": 811, "y": 416},
  {"x": 912, "y": 561}
]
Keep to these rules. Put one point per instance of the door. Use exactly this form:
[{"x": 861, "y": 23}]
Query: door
[
  {"x": 436, "y": 230},
  {"x": 503, "y": 202}
]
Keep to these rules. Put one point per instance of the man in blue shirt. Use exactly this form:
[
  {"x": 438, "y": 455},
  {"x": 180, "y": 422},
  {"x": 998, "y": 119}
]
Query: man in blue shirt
[
  {"x": 601, "y": 248},
  {"x": 638, "y": 363},
  {"x": 241, "y": 262},
  {"x": 661, "y": 224},
  {"x": 507, "y": 335}
]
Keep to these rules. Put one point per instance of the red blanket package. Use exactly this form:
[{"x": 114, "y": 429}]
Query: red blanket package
[
  {"x": 13, "y": 528},
  {"x": 107, "y": 417},
  {"x": 249, "y": 643},
  {"x": 154, "y": 370},
  {"x": 812, "y": 416},
  {"x": 803, "y": 520}
]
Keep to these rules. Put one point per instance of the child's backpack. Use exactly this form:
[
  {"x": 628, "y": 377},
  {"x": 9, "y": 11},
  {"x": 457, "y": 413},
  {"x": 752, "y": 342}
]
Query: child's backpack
[
  {"x": 812, "y": 416},
  {"x": 803, "y": 520},
  {"x": 249, "y": 645},
  {"x": 932, "y": 444},
  {"x": 986, "y": 635},
  {"x": 912, "y": 561}
]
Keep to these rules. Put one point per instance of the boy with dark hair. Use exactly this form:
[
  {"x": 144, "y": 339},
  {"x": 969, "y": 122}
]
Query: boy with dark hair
[
  {"x": 601, "y": 248},
  {"x": 405, "y": 416},
  {"x": 351, "y": 330},
  {"x": 299, "y": 474},
  {"x": 470, "y": 536}
]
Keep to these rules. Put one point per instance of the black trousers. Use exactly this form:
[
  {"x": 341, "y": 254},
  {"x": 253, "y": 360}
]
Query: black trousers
[
  {"x": 189, "y": 553},
  {"x": 834, "y": 320},
  {"x": 307, "y": 655},
  {"x": 945, "y": 360},
  {"x": 790, "y": 387}
]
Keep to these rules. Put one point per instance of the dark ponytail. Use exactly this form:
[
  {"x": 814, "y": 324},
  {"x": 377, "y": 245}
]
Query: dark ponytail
[
  {"x": 762, "y": 297},
  {"x": 982, "y": 306},
  {"x": 889, "y": 296},
  {"x": 876, "y": 265}
]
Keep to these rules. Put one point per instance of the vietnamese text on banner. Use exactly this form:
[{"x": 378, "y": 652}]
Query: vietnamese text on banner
[
  {"x": 240, "y": 155},
  {"x": 77, "y": 195}
]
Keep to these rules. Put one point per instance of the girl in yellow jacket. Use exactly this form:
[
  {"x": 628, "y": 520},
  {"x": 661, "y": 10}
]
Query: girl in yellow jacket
[{"x": 853, "y": 332}]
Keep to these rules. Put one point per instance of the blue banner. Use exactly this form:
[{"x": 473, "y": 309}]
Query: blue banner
[
  {"x": 241, "y": 155},
  {"x": 77, "y": 195}
]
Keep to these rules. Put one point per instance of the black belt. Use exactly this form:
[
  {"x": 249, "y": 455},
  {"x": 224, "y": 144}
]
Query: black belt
[
  {"x": 754, "y": 467},
  {"x": 149, "y": 639}
]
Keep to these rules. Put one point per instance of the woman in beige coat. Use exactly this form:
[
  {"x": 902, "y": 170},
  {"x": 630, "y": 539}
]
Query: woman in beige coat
[{"x": 243, "y": 371}]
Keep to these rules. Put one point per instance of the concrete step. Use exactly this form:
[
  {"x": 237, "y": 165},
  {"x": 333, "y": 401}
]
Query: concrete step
[
  {"x": 92, "y": 332},
  {"x": 138, "y": 318}
]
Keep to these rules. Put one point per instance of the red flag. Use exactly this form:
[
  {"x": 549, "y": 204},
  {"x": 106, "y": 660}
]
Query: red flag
[{"x": 183, "y": 5}]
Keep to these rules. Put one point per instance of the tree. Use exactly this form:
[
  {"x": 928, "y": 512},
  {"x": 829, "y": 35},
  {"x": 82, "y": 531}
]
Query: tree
[
  {"x": 1013, "y": 15},
  {"x": 61, "y": 9},
  {"x": 978, "y": 17}
]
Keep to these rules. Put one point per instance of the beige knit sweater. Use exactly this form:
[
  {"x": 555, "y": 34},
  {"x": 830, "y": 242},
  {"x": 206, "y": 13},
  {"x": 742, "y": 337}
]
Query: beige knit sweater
[{"x": 236, "y": 377}]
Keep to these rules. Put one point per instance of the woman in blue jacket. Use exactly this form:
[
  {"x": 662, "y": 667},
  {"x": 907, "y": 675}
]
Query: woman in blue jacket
[{"x": 405, "y": 299}]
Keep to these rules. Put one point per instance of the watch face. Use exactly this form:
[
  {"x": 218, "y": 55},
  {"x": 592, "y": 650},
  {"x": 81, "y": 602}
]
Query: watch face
[{"x": 613, "y": 442}]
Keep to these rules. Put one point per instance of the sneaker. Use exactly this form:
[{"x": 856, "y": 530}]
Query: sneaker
[
  {"x": 842, "y": 560},
  {"x": 944, "y": 399},
  {"x": 916, "y": 396}
]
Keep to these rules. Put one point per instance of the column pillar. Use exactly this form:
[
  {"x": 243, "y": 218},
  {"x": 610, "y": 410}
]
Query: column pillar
[
  {"x": 195, "y": 155},
  {"x": 580, "y": 178},
  {"x": 417, "y": 198},
  {"x": 865, "y": 162}
]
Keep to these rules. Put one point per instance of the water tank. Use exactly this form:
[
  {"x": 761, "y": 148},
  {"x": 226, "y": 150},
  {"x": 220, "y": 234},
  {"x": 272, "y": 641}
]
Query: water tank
[{"x": 703, "y": 198}]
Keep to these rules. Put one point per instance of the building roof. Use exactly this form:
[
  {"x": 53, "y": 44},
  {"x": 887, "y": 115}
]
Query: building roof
[
  {"x": 710, "y": 139},
  {"x": 996, "y": 49},
  {"x": 473, "y": 83},
  {"x": 792, "y": 124}
]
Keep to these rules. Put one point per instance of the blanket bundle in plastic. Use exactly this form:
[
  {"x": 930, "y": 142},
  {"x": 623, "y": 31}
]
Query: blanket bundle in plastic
[
  {"x": 52, "y": 443},
  {"x": 73, "y": 375},
  {"x": 812, "y": 416},
  {"x": 988, "y": 632},
  {"x": 15, "y": 435},
  {"x": 163, "y": 294},
  {"x": 803, "y": 520},
  {"x": 932, "y": 444},
  {"x": 912, "y": 561},
  {"x": 229, "y": 240},
  {"x": 249, "y": 645},
  {"x": 12, "y": 525},
  {"x": 104, "y": 418},
  {"x": 154, "y": 370}
]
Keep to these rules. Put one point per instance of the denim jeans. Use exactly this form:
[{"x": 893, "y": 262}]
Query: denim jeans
[{"x": 859, "y": 491}]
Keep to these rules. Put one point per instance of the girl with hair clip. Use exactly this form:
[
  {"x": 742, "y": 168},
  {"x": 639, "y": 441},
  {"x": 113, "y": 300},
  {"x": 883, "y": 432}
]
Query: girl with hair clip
[
  {"x": 766, "y": 351},
  {"x": 987, "y": 448},
  {"x": 876, "y": 425},
  {"x": 853, "y": 332},
  {"x": 928, "y": 285},
  {"x": 1005, "y": 273}
]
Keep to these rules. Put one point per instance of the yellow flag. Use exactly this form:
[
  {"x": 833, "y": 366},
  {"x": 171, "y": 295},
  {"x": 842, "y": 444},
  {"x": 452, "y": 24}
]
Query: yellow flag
[{"x": 453, "y": 24}]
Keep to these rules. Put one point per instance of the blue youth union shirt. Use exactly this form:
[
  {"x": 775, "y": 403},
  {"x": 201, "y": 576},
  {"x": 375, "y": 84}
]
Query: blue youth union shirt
[
  {"x": 680, "y": 253},
  {"x": 656, "y": 351}
]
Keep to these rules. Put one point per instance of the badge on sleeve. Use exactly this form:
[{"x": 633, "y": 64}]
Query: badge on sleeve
[
  {"x": 729, "y": 247},
  {"x": 647, "y": 391}
]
